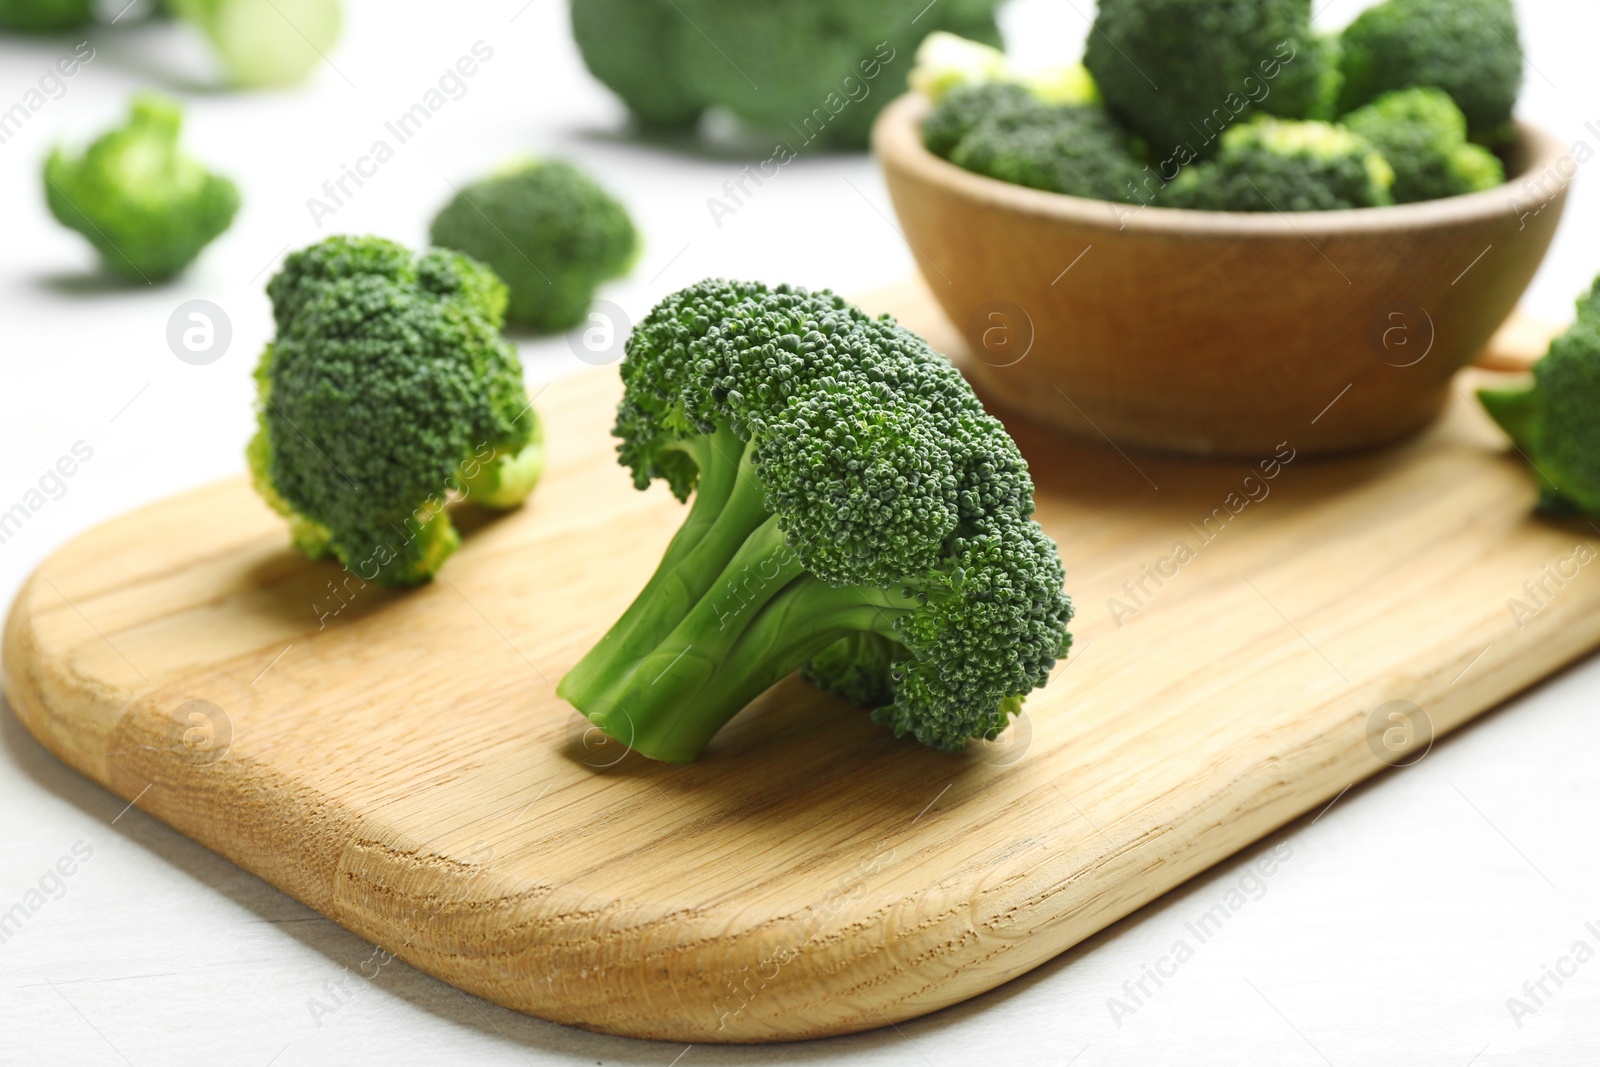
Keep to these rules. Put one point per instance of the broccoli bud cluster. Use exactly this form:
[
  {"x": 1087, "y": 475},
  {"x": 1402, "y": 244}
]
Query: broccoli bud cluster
[
  {"x": 387, "y": 392},
  {"x": 857, "y": 514}
]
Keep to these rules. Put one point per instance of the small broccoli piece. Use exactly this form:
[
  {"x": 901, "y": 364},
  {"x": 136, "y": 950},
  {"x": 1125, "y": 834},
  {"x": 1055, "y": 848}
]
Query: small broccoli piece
[
  {"x": 45, "y": 16},
  {"x": 856, "y": 513},
  {"x": 387, "y": 392},
  {"x": 1074, "y": 150},
  {"x": 1554, "y": 421},
  {"x": 549, "y": 231},
  {"x": 1468, "y": 48},
  {"x": 145, "y": 205},
  {"x": 264, "y": 42},
  {"x": 1179, "y": 72},
  {"x": 813, "y": 72},
  {"x": 967, "y": 107},
  {"x": 1423, "y": 135},
  {"x": 1276, "y": 165},
  {"x": 1002, "y": 130}
]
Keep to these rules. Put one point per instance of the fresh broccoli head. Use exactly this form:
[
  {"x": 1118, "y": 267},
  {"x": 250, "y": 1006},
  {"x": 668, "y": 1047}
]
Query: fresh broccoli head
[
  {"x": 388, "y": 391},
  {"x": 856, "y": 514},
  {"x": 145, "y": 205},
  {"x": 45, "y": 16},
  {"x": 1423, "y": 135},
  {"x": 550, "y": 232},
  {"x": 965, "y": 108},
  {"x": 264, "y": 42},
  {"x": 814, "y": 71},
  {"x": 1179, "y": 72},
  {"x": 1072, "y": 150},
  {"x": 1468, "y": 48},
  {"x": 1002, "y": 130},
  {"x": 1554, "y": 422},
  {"x": 1275, "y": 165}
]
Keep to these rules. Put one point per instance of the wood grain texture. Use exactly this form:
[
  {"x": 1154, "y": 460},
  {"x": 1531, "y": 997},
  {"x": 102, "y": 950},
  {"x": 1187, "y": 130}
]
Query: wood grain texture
[{"x": 404, "y": 767}]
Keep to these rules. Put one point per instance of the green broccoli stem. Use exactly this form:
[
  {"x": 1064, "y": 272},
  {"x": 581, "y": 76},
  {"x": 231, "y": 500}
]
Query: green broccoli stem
[
  {"x": 684, "y": 574},
  {"x": 1516, "y": 410},
  {"x": 729, "y": 612}
]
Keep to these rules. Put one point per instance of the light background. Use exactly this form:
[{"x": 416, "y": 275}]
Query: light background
[{"x": 1394, "y": 934}]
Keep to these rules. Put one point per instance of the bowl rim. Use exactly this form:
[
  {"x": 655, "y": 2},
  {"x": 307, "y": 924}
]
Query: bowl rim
[{"x": 897, "y": 142}]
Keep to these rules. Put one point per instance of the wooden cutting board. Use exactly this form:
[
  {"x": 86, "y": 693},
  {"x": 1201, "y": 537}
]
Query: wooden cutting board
[{"x": 400, "y": 761}]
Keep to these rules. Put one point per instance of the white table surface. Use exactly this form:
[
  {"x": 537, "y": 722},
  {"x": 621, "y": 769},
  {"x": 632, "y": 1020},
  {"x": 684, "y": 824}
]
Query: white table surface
[{"x": 1394, "y": 933}]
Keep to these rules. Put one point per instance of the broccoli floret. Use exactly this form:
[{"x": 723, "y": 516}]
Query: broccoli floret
[
  {"x": 1553, "y": 421},
  {"x": 1468, "y": 48},
  {"x": 145, "y": 205},
  {"x": 1072, "y": 150},
  {"x": 264, "y": 42},
  {"x": 1179, "y": 72},
  {"x": 1002, "y": 130},
  {"x": 1276, "y": 165},
  {"x": 1423, "y": 135},
  {"x": 45, "y": 16},
  {"x": 809, "y": 72},
  {"x": 387, "y": 392},
  {"x": 965, "y": 108},
  {"x": 856, "y": 513},
  {"x": 549, "y": 231}
]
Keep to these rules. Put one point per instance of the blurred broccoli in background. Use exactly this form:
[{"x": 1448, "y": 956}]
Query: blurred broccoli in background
[
  {"x": 264, "y": 42},
  {"x": 819, "y": 70},
  {"x": 1468, "y": 48},
  {"x": 145, "y": 205},
  {"x": 1554, "y": 422},
  {"x": 946, "y": 62},
  {"x": 387, "y": 390},
  {"x": 1279, "y": 165},
  {"x": 967, "y": 107},
  {"x": 1423, "y": 135},
  {"x": 1179, "y": 72},
  {"x": 45, "y": 16},
  {"x": 1003, "y": 131},
  {"x": 549, "y": 231}
]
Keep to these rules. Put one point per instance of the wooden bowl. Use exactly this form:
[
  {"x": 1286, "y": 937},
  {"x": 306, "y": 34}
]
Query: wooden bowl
[{"x": 1218, "y": 332}]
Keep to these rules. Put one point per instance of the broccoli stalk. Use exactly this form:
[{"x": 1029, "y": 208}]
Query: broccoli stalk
[
  {"x": 264, "y": 42},
  {"x": 856, "y": 515},
  {"x": 1552, "y": 420}
]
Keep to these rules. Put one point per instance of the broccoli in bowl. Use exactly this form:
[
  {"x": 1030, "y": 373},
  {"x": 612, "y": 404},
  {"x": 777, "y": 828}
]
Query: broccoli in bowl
[{"x": 1240, "y": 106}]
